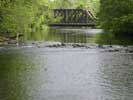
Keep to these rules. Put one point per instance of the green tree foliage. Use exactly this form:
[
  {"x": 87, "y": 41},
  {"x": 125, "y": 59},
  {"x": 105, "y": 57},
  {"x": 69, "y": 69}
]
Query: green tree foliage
[
  {"x": 23, "y": 16},
  {"x": 92, "y": 5},
  {"x": 63, "y": 3},
  {"x": 116, "y": 17},
  {"x": 33, "y": 16}
]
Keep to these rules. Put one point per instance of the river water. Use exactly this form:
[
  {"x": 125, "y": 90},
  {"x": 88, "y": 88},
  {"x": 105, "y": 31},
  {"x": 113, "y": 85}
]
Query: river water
[{"x": 37, "y": 71}]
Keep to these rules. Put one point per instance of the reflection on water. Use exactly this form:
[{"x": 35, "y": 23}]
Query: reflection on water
[
  {"x": 12, "y": 65},
  {"x": 65, "y": 35},
  {"x": 65, "y": 74}
]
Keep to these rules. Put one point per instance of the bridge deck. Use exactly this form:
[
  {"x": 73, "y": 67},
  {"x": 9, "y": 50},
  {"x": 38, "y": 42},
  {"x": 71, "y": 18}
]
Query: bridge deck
[{"x": 73, "y": 24}]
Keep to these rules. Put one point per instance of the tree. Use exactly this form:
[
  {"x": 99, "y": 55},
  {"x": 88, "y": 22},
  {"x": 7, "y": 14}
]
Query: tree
[
  {"x": 116, "y": 17},
  {"x": 63, "y": 3},
  {"x": 92, "y": 5},
  {"x": 23, "y": 16}
]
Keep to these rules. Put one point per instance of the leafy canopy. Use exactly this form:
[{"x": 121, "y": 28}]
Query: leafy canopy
[{"x": 116, "y": 17}]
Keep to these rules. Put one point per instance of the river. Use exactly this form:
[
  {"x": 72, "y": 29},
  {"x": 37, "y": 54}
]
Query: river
[{"x": 50, "y": 70}]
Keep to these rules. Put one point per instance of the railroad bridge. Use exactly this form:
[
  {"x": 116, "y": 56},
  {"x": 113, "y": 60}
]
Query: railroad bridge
[{"x": 73, "y": 17}]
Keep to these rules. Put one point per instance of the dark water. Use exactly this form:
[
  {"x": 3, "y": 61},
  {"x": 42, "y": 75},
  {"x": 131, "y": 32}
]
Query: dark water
[
  {"x": 65, "y": 73},
  {"x": 65, "y": 35}
]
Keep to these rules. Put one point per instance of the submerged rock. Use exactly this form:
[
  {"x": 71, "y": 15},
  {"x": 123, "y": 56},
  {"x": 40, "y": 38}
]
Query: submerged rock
[
  {"x": 63, "y": 44},
  {"x": 129, "y": 50},
  {"x": 113, "y": 50},
  {"x": 52, "y": 44},
  {"x": 78, "y": 45},
  {"x": 101, "y": 46}
]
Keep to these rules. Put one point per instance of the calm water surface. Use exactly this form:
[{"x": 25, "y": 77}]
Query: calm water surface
[{"x": 65, "y": 73}]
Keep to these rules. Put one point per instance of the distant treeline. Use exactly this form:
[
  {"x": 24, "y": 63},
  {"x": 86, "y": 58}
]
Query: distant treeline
[{"x": 32, "y": 16}]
